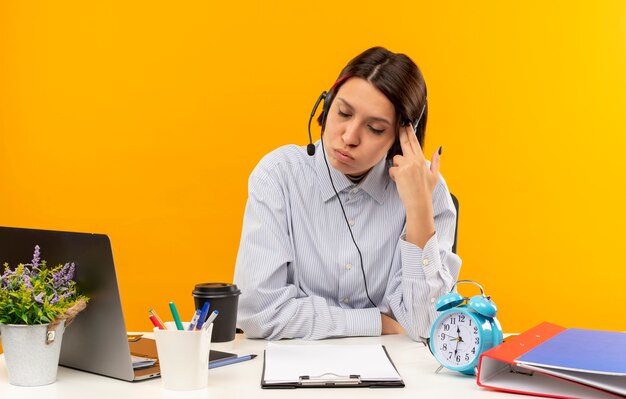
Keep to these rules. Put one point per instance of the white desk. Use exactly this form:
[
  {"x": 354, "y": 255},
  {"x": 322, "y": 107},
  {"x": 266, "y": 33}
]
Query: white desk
[{"x": 413, "y": 360}]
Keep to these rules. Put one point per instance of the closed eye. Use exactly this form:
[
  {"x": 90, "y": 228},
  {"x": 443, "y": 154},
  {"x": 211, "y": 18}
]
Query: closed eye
[
  {"x": 376, "y": 131},
  {"x": 342, "y": 114}
]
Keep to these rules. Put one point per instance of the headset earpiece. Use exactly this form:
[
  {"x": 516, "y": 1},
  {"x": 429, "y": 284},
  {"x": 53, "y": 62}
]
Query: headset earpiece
[
  {"x": 329, "y": 97},
  {"x": 326, "y": 108}
]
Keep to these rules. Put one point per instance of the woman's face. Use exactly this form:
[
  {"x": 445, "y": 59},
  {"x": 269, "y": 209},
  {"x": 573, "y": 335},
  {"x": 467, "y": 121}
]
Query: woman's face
[{"x": 360, "y": 127}]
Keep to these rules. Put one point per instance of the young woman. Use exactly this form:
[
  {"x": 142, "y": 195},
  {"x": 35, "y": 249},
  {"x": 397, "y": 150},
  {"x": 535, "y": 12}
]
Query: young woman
[{"x": 356, "y": 239}]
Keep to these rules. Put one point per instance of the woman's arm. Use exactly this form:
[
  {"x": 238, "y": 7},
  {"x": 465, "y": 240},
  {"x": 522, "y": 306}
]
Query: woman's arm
[
  {"x": 424, "y": 264},
  {"x": 270, "y": 306},
  {"x": 420, "y": 275}
]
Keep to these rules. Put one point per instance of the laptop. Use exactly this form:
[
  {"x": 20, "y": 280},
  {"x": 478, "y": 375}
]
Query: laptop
[{"x": 96, "y": 341}]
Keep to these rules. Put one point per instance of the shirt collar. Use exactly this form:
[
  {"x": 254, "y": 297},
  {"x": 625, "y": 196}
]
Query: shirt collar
[{"x": 375, "y": 183}]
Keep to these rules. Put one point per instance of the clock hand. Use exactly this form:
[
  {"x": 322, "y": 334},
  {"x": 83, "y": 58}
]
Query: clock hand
[{"x": 458, "y": 339}]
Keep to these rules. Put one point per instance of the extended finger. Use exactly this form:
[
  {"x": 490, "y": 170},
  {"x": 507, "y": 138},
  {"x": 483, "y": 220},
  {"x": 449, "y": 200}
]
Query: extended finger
[
  {"x": 415, "y": 144},
  {"x": 405, "y": 141},
  {"x": 436, "y": 162}
]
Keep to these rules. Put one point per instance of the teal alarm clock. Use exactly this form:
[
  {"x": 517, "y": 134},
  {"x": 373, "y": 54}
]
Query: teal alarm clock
[{"x": 465, "y": 328}]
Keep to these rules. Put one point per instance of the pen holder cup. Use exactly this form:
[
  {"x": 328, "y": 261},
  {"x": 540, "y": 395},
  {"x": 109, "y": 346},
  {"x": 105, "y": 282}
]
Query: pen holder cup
[
  {"x": 222, "y": 297},
  {"x": 183, "y": 357}
]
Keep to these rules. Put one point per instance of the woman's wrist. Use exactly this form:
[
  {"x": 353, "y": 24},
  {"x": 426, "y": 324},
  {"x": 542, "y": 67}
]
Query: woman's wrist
[
  {"x": 420, "y": 225},
  {"x": 418, "y": 202}
]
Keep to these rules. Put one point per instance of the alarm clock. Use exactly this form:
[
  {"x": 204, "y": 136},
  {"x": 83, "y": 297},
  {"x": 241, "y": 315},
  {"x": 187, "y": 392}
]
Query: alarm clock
[{"x": 465, "y": 328}]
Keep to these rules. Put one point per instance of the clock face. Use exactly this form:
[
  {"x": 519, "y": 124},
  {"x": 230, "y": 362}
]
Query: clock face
[{"x": 456, "y": 339}]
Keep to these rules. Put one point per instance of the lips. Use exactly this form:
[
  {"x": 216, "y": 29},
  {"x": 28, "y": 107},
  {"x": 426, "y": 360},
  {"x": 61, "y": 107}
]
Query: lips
[{"x": 343, "y": 156}]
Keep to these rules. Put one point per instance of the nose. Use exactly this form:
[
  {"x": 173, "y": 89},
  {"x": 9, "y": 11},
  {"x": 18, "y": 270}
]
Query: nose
[{"x": 351, "y": 135}]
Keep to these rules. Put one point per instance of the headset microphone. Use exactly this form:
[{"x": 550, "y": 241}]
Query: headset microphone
[{"x": 310, "y": 148}]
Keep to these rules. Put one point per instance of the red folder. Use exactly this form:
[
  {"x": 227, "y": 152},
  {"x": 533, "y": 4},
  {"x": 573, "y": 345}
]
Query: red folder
[{"x": 497, "y": 369}]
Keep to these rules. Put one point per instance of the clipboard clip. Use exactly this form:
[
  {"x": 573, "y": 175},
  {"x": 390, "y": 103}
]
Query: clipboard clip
[{"x": 330, "y": 379}]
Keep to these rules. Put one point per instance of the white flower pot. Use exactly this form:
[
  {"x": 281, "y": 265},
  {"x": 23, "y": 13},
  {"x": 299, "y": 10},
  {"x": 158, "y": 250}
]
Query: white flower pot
[{"x": 30, "y": 360}]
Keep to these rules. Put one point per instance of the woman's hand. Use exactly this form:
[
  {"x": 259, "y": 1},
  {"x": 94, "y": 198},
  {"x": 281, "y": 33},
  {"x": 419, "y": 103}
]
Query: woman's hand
[
  {"x": 416, "y": 182},
  {"x": 414, "y": 179},
  {"x": 390, "y": 326}
]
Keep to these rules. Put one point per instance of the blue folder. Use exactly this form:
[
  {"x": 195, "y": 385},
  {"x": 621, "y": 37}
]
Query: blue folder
[{"x": 591, "y": 351}]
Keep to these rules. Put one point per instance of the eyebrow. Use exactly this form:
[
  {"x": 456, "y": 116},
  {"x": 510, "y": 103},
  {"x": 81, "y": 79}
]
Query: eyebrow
[{"x": 372, "y": 118}]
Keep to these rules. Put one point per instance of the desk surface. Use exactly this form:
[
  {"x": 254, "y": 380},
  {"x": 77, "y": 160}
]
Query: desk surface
[{"x": 413, "y": 361}]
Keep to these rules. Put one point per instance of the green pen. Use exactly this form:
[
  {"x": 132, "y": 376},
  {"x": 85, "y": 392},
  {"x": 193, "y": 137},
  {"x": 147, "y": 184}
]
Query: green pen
[{"x": 179, "y": 325}]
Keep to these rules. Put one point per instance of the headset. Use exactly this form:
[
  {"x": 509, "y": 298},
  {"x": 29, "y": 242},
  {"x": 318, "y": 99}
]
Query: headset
[
  {"x": 310, "y": 149},
  {"x": 327, "y": 97}
]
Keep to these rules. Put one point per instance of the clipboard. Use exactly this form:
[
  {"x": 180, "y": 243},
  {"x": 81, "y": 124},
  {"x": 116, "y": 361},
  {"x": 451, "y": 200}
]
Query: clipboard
[{"x": 305, "y": 362}]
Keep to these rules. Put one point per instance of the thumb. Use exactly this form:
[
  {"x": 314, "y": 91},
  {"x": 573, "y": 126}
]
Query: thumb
[{"x": 392, "y": 172}]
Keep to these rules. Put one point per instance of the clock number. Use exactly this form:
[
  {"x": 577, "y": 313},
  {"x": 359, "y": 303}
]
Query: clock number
[
  {"x": 474, "y": 350},
  {"x": 476, "y": 340},
  {"x": 444, "y": 347},
  {"x": 467, "y": 357},
  {"x": 461, "y": 318},
  {"x": 446, "y": 327},
  {"x": 452, "y": 320},
  {"x": 470, "y": 323},
  {"x": 458, "y": 358},
  {"x": 443, "y": 336},
  {"x": 475, "y": 330}
]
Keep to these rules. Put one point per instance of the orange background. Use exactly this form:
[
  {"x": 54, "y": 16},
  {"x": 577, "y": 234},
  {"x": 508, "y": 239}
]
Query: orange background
[{"x": 143, "y": 120}]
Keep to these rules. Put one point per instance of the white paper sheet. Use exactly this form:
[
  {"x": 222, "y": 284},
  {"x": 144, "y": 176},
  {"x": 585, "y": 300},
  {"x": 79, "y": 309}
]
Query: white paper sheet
[{"x": 286, "y": 363}]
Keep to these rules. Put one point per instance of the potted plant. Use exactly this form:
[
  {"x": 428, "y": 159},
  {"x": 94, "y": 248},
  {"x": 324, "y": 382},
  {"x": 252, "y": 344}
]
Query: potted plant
[{"x": 37, "y": 302}]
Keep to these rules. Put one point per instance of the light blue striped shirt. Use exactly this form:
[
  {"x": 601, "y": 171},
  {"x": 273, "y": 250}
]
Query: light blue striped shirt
[{"x": 299, "y": 272}]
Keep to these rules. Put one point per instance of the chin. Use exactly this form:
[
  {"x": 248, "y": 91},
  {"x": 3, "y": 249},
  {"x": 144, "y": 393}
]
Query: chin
[{"x": 345, "y": 169}]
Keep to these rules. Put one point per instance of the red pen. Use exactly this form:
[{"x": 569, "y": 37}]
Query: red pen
[
  {"x": 156, "y": 322},
  {"x": 156, "y": 316}
]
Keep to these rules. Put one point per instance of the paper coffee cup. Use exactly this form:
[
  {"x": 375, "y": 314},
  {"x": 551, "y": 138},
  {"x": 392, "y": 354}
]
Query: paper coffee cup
[{"x": 222, "y": 297}]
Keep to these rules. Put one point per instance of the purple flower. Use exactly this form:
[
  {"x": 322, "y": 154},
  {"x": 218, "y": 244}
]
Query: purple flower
[
  {"x": 39, "y": 298},
  {"x": 36, "y": 256},
  {"x": 27, "y": 283},
  {"x": 63, "y": 276},
  {"x": 7, "y": 273},
  {"x": 54, "y": 299},
  {"x": 5, "y": 278},
  {"x": 66, "y": 295}
]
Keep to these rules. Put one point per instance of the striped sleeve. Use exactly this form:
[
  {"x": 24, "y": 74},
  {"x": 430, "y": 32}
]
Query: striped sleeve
[
  {"x": 421, "y": 275},
  {"x": 270, "y": 307}
]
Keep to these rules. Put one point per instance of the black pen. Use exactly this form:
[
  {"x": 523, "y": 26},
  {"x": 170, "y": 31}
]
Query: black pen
[{"x": 232, "y": 360}]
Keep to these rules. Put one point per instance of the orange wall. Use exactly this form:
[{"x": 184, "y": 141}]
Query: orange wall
[{"x": 143, "y": 119}]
